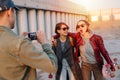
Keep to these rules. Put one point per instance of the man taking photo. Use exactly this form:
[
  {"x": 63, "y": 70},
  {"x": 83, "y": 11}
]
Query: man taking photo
[{"x": 18, "y": 57}]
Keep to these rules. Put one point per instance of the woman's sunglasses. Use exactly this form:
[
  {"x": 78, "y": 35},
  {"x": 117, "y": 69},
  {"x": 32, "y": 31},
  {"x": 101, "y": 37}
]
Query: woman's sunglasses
[
  {"x": 82, "y": 25},
  {"x": 65, "y": 28}
]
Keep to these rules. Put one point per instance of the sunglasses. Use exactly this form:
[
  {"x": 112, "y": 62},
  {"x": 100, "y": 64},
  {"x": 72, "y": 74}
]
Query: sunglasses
[
  {"x": 65, "y": 28},
  {"x": 82, "y": 25}
]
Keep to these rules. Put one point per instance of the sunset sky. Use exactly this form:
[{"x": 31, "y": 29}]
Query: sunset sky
[{"x": 98, "y": 4}]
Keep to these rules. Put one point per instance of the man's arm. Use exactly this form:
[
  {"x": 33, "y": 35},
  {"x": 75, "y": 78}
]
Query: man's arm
[{"x": 44, "y": 58}]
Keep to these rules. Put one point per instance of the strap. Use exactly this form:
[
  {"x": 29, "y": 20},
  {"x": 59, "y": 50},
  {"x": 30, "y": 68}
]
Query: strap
[
  {"x": 71, "y": 41},
  {"x": 26, "y": 73},
  {"x": 54, "y": 43}
]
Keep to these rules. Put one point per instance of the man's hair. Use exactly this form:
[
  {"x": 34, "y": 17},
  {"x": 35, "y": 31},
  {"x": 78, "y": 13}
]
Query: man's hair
[
  {"x": 2, "y": 13},
  {"x": 7, "y": 4}
]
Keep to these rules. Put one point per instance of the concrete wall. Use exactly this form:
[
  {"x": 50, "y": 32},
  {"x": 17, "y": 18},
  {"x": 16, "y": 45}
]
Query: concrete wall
[
  {"x": 44, "y": 14},
  {"x": 54, "y": 5}
]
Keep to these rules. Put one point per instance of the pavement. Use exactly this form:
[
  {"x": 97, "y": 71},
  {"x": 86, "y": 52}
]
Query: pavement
[
  {"x": 117, "y": 72},
  {"x": 45, "y": 76}
]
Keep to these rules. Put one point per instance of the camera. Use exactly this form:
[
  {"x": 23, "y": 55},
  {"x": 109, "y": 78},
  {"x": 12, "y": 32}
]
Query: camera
[{"x": 32, "y": 35}]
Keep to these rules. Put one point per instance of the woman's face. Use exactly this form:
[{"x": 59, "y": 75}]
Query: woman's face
[
  {"x": 63, "y": 31},
  {"x": 82, "y": 27}
]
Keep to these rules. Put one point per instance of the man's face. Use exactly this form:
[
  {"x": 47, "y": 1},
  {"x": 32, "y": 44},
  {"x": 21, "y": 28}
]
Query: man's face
[{"x": 12, "y": 18}]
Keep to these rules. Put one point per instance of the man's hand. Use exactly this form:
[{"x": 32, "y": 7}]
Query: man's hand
[
  {"x": 24, "y": 33},
  {"x": 41, "y": 37}
]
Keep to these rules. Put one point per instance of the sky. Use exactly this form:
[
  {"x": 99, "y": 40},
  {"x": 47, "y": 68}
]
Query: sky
[{"x": 98, "y": 4}]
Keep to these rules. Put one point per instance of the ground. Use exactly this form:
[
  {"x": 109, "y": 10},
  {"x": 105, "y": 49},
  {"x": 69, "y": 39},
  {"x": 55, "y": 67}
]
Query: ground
[{"x": 110, "y": 32}]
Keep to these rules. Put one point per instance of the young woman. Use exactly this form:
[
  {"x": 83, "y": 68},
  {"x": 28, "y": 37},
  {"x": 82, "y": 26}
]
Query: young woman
[
  {"x": 92, "y": 52},
  {"x": 63, "y": 46}
]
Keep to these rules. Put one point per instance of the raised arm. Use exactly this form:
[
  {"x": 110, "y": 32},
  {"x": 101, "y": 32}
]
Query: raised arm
[{"x": 44, "y": 58}]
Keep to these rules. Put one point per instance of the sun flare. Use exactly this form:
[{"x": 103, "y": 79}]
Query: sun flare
[{"x": 89, "y": 4}]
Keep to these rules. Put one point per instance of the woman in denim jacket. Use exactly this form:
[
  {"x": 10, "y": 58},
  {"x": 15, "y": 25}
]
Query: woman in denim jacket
[{"x": 68, "y": 68}]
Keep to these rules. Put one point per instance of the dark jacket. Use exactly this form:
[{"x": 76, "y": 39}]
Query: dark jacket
[{"x": 68, "y": 54}]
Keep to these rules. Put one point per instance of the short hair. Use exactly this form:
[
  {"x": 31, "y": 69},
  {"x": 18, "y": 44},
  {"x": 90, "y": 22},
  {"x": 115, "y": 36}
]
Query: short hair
[
  {"x": 2, "y": 13},
  {"x": 6, "y": 4},
  {"x": 58, "y": 26}
]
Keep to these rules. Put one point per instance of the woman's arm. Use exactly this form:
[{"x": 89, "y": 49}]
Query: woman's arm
[
  {"x": 105, "y": 53},
  {"x": 76, "y": 36}
]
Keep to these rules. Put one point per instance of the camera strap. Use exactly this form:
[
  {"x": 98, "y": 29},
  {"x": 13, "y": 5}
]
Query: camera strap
[{"x": 26, "y": 73}]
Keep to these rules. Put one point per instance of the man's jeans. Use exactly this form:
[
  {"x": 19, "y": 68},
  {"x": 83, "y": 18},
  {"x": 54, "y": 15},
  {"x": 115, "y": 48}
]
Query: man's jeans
[{"x": 87, "y": 70}]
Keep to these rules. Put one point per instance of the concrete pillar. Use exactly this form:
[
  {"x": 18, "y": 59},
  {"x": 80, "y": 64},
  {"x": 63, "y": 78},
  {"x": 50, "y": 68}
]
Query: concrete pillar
[
  {"x": 78, "y": 18},
  {"x": 41, "y": 20},
  {"x": 83, "y": 17},
  {"x": 63, "y": 17},
  {"x": 22, "y": 21},
  {"x": 48, "y": 24},
  {"x": 67, "y": 19},
  {"x": 32, "y": 20},
  {"x": 75, "y": 23},
  {"x": 70, "y": 22},
  {"x": 53, "y": 17},
  {"x": 15, "y": 29},
  {"x": 58, "y": 17}
]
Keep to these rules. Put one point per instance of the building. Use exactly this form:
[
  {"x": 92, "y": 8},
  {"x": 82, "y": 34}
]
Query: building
[
  {"x": 44, "y": 14},
  {"x": 112, "y": 14}
]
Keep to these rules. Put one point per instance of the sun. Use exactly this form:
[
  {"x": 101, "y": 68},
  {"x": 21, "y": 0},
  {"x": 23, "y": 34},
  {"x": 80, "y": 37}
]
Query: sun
[
  {"x": 84, "y": 2},
  {"x": 87, "y": 3},
  {"x": 94, "y": 18}
]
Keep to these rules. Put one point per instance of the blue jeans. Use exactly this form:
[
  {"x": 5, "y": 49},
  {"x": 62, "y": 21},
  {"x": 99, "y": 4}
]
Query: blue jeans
[
  {"x": 87, "y": 69},
  {"x": 65, "y": 69}
]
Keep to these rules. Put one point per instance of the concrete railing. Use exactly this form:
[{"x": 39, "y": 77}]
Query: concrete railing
[{"x": 44, "y": 14}]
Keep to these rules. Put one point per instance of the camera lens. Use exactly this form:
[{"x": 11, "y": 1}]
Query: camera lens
[{"x": 32, "y": 36}]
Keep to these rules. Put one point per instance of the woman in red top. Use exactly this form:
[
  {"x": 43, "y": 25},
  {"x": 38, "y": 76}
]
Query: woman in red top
[{"x": 91, "y": 50}]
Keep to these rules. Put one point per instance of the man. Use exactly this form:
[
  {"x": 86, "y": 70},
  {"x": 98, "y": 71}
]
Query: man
[{"x": 18, "y": 57}]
